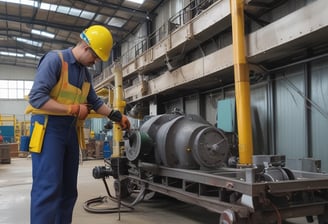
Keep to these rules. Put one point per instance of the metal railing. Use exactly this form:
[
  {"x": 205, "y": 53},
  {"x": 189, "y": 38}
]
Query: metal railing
[{"x": 179, "y": 19}]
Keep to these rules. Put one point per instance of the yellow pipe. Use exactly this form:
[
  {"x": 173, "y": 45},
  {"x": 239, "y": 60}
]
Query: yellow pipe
[
  {"x": 118, "y": 104},
  {"x": 242, "y": 86},
  {"x": 111, "y": 97},
  {"x": 102, "y": 92},
  {"x": 110, "y": 93}
]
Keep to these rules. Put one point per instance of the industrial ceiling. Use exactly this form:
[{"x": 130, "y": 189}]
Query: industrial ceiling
[{"x": 28, "y": 28}]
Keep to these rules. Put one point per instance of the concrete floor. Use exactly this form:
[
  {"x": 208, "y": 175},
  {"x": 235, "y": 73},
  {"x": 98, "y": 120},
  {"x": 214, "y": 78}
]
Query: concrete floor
[{"x": 15, "y": 186}]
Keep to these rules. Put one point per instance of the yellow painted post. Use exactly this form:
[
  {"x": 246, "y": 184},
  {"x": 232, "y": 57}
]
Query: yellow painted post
[
  {"x": 111, "y": 97},
  {"x": 242, "y": 86},
  {"x": 118, "y": 104}
]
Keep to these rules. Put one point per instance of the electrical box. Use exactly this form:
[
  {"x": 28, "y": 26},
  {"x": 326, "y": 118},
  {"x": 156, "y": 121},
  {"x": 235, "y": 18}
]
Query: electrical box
[{"x": 226, "y": 115}]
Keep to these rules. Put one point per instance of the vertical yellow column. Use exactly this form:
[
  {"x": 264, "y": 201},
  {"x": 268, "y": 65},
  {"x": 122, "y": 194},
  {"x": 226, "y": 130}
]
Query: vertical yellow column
[
  {"x": 242, "y": 86},
  {"x": 110, "y": 97},
  {"x": 118, "y": 104}
]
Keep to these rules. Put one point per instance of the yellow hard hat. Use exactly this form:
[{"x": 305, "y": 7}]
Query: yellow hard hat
[{"x": 100, "y": 39}]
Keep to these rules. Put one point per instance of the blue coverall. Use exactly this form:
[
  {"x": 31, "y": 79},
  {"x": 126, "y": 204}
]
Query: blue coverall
[{"x": 55, "y": 169}]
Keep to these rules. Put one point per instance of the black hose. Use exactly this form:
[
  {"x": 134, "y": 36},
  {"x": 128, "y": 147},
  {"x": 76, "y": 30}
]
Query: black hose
[
  {"x": 88, "y": 206},
  {"x": 123, "y": 206}
]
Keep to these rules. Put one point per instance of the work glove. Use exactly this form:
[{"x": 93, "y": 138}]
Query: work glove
[
  {"x": 79, "y": 110},
  {"x": 116, "y": 116}
]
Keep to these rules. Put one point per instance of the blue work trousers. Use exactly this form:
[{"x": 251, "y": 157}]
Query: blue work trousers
[{"x": 54, "y": 171}]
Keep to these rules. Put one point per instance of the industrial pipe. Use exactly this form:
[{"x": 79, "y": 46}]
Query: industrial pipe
[{"x": 242, "y": 86}]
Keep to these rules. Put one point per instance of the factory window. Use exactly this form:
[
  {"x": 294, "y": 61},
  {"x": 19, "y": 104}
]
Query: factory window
[{"x": 14, "y": 89}]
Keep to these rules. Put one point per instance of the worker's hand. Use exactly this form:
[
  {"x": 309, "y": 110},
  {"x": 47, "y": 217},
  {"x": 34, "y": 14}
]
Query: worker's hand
[
  {"x": 79, "y": 110},
  {"x": 125, "y": 123},
  {"x": 115, "y": 115}
]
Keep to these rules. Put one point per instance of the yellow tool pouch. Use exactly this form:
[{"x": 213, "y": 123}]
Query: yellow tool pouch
[{"x": 37, "y": 136}]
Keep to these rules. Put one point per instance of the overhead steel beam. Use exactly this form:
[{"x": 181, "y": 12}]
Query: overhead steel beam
[
  {"x": 30, "y": 21},
  {"x": 48, "y": 40},
  {"x": 14, "y": 47}
]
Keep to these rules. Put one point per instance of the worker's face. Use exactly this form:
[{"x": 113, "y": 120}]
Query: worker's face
[{"x": 89, "y": 57}]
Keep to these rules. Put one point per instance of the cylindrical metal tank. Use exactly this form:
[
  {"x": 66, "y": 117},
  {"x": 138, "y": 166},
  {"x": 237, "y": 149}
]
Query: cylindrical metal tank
[{"x": 179, "y": 141}]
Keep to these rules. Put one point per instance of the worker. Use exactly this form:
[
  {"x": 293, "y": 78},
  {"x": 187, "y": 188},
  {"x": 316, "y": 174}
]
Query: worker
[{"x": 61, "y": 97}]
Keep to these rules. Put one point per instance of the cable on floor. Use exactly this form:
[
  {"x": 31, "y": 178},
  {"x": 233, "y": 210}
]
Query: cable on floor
[{"x": 122, "y": 206}]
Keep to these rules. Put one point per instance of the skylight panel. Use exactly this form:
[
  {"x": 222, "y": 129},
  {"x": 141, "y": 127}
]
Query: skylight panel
[
  {"x": 87, "y": 14},
  {"x": 23, "y": 2},
  {"x": 43, "y": 33},
  {"x": 5, "y": 53},
  {"x": 45, "y": 6},
  {"x": 67, "y": 10},
  {"x": 30, "y": 42},
  {"x": 55, "y": 8},
  {"x": 100, "y": 18},
  {"x": 32, "y": 56},
  {"x": 116, "y": 22},
  {"x": 50, "y": 7},
  {"x": 75, "y": 12},
  {"x": 136, "y": 1},
  {"x": 63, "y": 9}
]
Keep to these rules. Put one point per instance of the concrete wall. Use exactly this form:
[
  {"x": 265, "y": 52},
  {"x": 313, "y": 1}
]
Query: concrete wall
[{"x": 16, "y": 73}]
